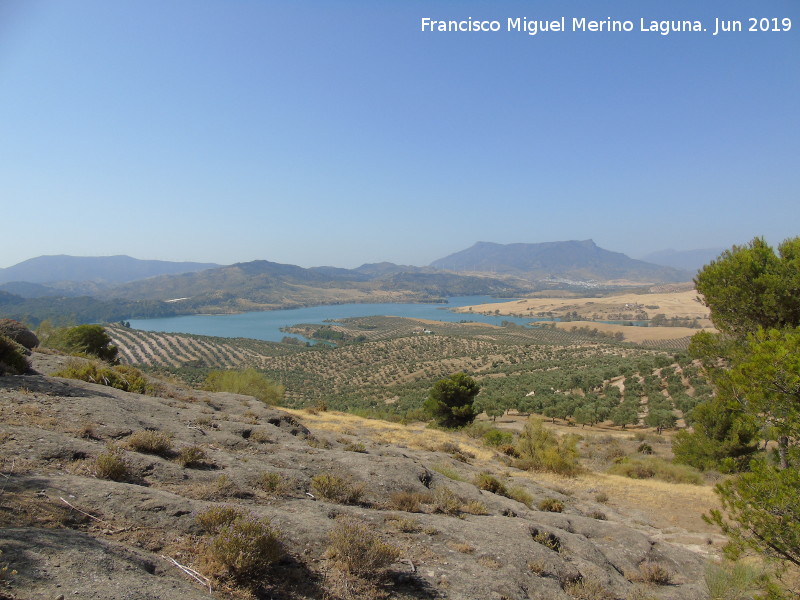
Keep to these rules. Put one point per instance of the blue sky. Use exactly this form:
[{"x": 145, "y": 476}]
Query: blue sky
[{"x": 337, "y": 133}]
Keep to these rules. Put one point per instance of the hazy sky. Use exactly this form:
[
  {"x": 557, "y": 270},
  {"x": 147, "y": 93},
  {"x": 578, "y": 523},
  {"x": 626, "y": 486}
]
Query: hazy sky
[{"x": 338, "y": 133}]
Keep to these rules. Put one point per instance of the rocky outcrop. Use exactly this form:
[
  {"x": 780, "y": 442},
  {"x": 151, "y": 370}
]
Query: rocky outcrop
[
  {"x": 66, "y": 531},
  {"x": 19, "y": 333}
]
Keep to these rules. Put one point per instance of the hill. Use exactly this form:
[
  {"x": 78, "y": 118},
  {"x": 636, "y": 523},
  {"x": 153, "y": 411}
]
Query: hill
[
  {"x": 571, "y": 260},
  {"x": 98, "y": 269},
  {"x": 269, "y": 284},
  {"x": 405, "y": 494}
]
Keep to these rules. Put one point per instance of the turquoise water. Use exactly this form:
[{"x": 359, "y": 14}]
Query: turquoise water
[{"x": 267, "y": 325}]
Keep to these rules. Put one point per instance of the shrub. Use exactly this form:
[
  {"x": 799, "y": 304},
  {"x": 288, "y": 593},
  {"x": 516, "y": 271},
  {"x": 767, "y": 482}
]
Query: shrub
[
  {"x": 551, "y": 505},
  {"x": 586, "y": 589},
  {"x": 245, "y": 548},
  {"x": 446, "y": 502},
  {"x": 217, "y": 517},
  {"x": 601, "y": 497},
  {"x": 520, "y": 495},
  {"x": 121, "y": 377},
  {"x": 408, "y": 501},
  {"x": 490, "y": 483},
  {"x": 191, "y": 456},
  {"x": 405, "y": 525},
  {"x": 475, "y": 507},
  {"x": 150, "y": 442},
  {"x": 496, "y": 438},
  {"x": 644, "y": 448},
  {"x": 543, "y": 450},
  {"x": 225, "y": 487},
  {"x": 651, "y": 572},
  {"x": 336, "y": 488},
  {"x": 112, "y": 464},
  {"x": 657, "y": 468},
  {"x": 272, "y": 483},
  {"x": 478, "y": 429},
  {"x": 12, "y": 357},
  {"x": 355, "y": 447},
  {"x": 84, "y": 339},
  {"x": 450, "y": 448},
  {"x": 356, "y": 549},
  {"x": 546, "y": 539},
  {"x": 86, "y": 431},
  {"x": 248, "y": 382},
  {"x": 734, "y": 581},
  {"x": 508, "y": 450}
]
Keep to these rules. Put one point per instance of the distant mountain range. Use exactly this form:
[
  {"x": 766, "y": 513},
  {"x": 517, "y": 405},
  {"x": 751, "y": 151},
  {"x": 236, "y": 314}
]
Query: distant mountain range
[
  {"x": 96, "y": 269},
  {"x": 102, "y": 289},
  {"x": 688, "y": 260},
  {"x": 572, "y": 260}
]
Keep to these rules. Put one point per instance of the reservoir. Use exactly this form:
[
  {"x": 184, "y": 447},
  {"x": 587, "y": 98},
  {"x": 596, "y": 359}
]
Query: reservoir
[{"x": 266, "y": 325}]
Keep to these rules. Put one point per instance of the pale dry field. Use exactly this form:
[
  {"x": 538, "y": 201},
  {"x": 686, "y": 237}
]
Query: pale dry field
[
  {"x": 676, "y": 304},
  {"x": 637, "y": 335}
]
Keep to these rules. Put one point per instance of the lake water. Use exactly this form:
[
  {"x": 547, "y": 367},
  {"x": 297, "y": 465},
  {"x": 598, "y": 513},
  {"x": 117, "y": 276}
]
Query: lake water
[{"x": 266, "y": 325}]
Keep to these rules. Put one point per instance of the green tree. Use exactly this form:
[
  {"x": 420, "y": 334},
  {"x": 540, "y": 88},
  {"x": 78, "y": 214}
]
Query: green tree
[
  {"x": 765, "y": 382},
  {"x": 752, "y": 293},
  {"x": 660, "y": 419},
  {"x": 492, "y": 408},
  {"x": 723, "y": 438},
  {"x": 450, "y": 401},
  {"x": 84, "y": 339},
  {"x": 750, "y": 286},
  {"x": 625, "y": 414},
  {"x": 763, "y": 512}
]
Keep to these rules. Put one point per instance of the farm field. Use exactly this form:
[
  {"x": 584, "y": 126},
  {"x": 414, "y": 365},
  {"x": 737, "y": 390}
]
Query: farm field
[
  {"x": 385, "y": 366},
  {"x": 623, "y": 307}
]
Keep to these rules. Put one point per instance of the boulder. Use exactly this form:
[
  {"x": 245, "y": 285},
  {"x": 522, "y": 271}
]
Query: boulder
[{"x": 19, "y": 333}]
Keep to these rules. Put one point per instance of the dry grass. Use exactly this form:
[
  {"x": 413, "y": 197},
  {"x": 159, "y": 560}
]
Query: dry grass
[
  {"x": 112, "y": 464},
  {"x": 356, "y": 549},
  {"x": 551, "y": 505},
  {"x": 244, "y": 549},
  {"x": 150, "y": 442},
  {"x": 461, "y": 547},
  {"x": 409, "y": 501},
  {"x": 586, "y": 589},
  {"x": 413, "y": 435},
  {"x": 651, "y": 572},
  {"x": 191, "y": 456},
  {"x": 336, "y": 488},
  {"x": 666, "y": 505}
]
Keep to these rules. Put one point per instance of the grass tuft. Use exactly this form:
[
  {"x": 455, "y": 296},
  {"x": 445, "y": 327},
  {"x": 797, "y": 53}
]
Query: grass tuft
[
  {"x": 336, "y": 488},
  {"x": 356, "y": 549}
]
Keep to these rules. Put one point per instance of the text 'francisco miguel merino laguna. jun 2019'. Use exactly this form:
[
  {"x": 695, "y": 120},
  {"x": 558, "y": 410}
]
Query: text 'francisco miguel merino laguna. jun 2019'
[{"x": 755, "y": 24}]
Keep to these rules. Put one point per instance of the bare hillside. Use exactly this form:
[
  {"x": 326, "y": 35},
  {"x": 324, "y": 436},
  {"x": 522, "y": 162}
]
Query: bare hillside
[{"x": 69, "y": 532}]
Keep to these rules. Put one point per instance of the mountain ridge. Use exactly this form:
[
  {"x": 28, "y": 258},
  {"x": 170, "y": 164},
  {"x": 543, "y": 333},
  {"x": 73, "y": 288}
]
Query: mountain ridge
[
  {"x": 120, "y": 268},
  {"x": 573, "y": 259}
]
